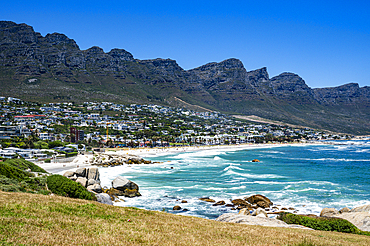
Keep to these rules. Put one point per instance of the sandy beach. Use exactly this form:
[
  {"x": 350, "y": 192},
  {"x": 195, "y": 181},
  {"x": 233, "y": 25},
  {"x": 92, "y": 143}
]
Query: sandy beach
[{"x": 83, "y": 160}]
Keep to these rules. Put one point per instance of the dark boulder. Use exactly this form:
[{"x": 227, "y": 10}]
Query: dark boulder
[
  {"x": 125, "y": 187},
  {"x": 206, "y": 199},
  {"x": 259, "y": 200},
  {"x": 219, "y": 203},
  {"x": 241, "y": 204}
]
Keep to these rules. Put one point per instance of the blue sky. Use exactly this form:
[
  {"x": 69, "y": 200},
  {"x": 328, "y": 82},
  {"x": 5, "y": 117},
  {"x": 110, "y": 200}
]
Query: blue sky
[{"x": 326, "y": 42}]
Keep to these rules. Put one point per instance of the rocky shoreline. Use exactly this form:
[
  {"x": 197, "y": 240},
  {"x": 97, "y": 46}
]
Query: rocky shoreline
[
  {"x": 90, "y": 179},
  {"x": 253, "y": 210},
  {"x": 114, "y": 159}
]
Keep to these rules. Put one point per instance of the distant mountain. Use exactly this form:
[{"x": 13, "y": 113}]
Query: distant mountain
[{"x": 53, "y": 68}]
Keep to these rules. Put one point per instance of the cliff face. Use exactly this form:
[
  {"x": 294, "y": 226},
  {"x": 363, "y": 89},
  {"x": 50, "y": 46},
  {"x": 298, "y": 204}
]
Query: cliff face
[
  {"x": 53, "y": 68},
  {"x": 348, "y": 94}
]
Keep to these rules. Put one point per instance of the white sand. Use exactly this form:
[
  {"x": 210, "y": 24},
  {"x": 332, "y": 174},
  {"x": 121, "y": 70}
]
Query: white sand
[
  {"x": 147, "y": 152},
  {"x": 84, "y": 160},
  {"x": 60, "y": 168}
]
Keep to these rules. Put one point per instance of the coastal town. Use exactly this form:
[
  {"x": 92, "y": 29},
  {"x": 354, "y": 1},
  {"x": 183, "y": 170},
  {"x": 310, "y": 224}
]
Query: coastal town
[{"x": 40, "y": 131}]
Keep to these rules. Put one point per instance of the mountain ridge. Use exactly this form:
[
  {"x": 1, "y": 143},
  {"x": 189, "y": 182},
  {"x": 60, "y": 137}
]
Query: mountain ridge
[{"x": 54, "y": 68}]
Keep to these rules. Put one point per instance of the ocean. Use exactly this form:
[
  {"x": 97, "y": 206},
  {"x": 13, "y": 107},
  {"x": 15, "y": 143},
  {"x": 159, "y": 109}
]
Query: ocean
[{"x": 305, "y": 177}]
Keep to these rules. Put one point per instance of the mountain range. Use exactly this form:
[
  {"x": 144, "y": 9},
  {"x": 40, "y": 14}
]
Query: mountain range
[{"x": 53, "y": 68}]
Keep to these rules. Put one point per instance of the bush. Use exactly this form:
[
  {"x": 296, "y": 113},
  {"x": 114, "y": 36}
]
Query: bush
[
  {"x": 49, "y": 153},
  {"x": 320, "y": 223},
  {"x": 24, "y": 165},
  {"x": 13, "y": 172},
  {"x": 41, "y": 145},
  {"x": 63, "y": 186},
  {"x": 70, "y": 154},
  {"x": 56, "y": 143},
  {"x": 11, "y": 183},
  {"x": 47, "y": 160}
]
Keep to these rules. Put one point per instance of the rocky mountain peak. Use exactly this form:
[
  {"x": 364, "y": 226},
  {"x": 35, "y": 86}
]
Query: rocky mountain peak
[
  {"x": 345, "y": 94},
  {"x": 168, "y": 65},
  {"x": 349, "y": 86},
  {"x": 18, "y": 33},
  {"x": 121, "y": 55},
  {"x": 7, "y": 24},
  {"x": 232, "y": 63},
  {"x": 292, "y": 87},
  {"x": 226, "y": 64},
  {"x": 95, "y": 50},
  {"x": 258, "y": 76},
  {"x": 289, "y": 81},
  {"x": 61, "y": 39}
]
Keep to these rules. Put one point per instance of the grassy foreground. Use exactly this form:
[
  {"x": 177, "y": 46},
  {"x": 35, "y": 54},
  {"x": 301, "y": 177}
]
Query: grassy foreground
[{"x": 33, "y": 219}]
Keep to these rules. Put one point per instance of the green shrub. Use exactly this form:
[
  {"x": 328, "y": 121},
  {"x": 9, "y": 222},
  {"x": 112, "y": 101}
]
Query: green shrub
[
  {"x": 12, "y": 172},
  {"x": 24, "y": 165},
  {"x": 56, "y": 143},
  {"x": 47, "y": 160},
  {"x": 41, "y": 145},
  {"x": 10, "y": 185},
  {"x": 63, "y": 186},
  {"x": 71, "y": 154},
  {"x": 367, "y": 233},
  {"x": 320, "y": 223},
  {"x": 49, "y": 153},
  {"x": 28, "y": 184}
]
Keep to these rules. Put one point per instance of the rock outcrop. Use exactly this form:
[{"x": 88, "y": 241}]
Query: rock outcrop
[
  {"x": 93, "y": 173},
  {"x": 255, "y": 220},
  {"x": 125, "y": 187},
  {"x": 244, "y": 211},
  {"x": 260, "y": 212},
  {"x": 364, "y": 208},
  {"x": 86, "y": 177},
  {"x": 219, "y": 203},
  {"x": 344, "y": 210},
  {"x": 95, "y": 188},
  {"x": 329, "y": 212},
  {"x": 104, "y": 198},
  {"x": 360, "y": 219},
  {"x": 206, "y": 199},
  {"x": 359, "y": 216},
  {"x": 90, "y": 178},
  {"x": 115, "y": 159},
  {"x": 259, "y": 200},
  {"x": 82, "y": 181}
]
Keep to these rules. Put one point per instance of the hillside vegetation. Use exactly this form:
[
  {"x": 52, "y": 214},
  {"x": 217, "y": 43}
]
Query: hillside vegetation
[
  {"x": 33, "y": 219},
  {"x": 16, "y": 176}
]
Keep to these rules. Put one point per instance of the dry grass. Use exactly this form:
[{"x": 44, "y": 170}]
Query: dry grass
[{"x": 31, "y": 219}]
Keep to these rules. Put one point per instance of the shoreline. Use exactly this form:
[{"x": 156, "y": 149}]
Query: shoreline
[
  {"x": 307, "y": 207},
  {"x": 80, "y": 160},
  {"x": 162, "y": 151}
]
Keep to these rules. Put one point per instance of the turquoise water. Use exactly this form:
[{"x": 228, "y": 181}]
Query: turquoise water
[{"x": 307, "y": 178}]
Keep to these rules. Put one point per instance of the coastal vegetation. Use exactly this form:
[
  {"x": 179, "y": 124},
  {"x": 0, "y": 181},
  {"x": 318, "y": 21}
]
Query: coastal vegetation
[
  {"x": 63, "y": 186},
  {"x": 32, "y": 219},
  {"x": 16, "y": 176},
  {"x": 322, "y": 223}
]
